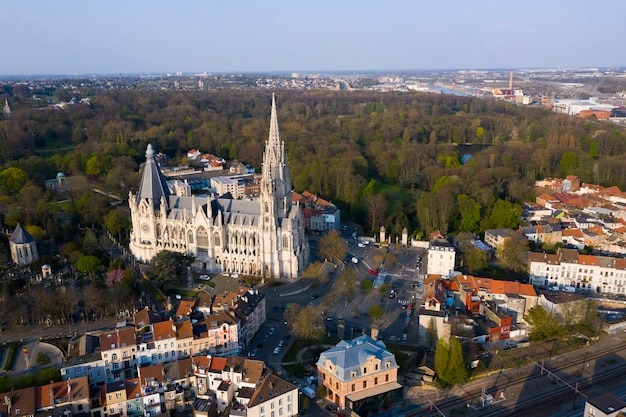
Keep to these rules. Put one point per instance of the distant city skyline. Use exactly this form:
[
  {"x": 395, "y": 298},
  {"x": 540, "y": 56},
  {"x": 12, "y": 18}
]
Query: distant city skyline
[{"x": 148, "y": 37}]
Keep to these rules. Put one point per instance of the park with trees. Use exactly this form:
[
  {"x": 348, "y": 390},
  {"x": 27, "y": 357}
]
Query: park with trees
[{"x": 419, "y": 161}]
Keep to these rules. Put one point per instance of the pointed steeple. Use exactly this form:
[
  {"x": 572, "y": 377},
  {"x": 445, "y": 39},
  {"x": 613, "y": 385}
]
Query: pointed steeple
[
  {"x": 21, "y": 236},
  {"x": 275, "y": 171},
  {"x": 274, "y": 137},
  {"x": 153, "y": 183}
]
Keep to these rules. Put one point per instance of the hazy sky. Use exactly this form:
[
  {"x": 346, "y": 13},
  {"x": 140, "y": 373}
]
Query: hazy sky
[{"x": 154, "y": 36}]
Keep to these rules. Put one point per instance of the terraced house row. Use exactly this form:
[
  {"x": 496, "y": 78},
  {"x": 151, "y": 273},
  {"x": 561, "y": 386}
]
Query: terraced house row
[
  {"x": 213, "y": 324},
  {"x": 205, "y": 386}
]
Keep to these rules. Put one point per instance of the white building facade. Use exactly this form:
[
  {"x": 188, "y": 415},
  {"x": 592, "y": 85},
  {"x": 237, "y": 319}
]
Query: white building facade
[
  {"x": 441, "y": 258},
  {"x": 264, "y": 237},
  {"x": 568, "y": 268}
]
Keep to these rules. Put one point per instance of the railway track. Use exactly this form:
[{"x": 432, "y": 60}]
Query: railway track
[{"x": 560, "y": 376}]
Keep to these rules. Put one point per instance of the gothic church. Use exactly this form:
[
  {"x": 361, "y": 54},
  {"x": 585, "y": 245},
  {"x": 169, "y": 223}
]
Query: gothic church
[{"x": 263, "y": 237}]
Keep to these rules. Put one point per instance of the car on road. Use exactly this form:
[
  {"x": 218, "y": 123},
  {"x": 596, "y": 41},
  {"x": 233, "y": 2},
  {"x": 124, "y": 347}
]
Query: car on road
[
  {"x": 272, "y": 330},
  {"x": 277, "y": 350},
  {"x": 254, "y": 352},
  {"x": 361, "y": 245},
  {"x": 510, "y": 344},
  {"x": 204, "y": 277},
  {"x": 373, "y": 271},
  {"x": 266, "y": 338},
  {"x": 355, "y": 260},
  {"x": 281, "y": 343},
  {"x": 315, "y": 296},
  {"x": 405, "y": 337}
]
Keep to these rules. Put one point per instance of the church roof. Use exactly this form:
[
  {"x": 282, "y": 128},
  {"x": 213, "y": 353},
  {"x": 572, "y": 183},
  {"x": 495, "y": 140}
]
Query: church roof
[
  {"x": 153, "y": 184},
  {"x": 21, "y": 236}
]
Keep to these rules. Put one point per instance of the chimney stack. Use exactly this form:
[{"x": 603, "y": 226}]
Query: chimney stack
[{"x": 374, "y": 331}]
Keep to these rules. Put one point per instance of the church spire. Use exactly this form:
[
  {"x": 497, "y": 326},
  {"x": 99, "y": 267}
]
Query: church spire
[
  {"x": 153, "y": 183},
  {"x": 276, "y": 185},
  {"x": 274, "y": 138}
]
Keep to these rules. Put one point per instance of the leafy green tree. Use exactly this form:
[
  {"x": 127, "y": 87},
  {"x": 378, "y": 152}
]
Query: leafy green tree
[
  {"x": 376, "y": 206},
  {"x": 346, "y": 283},
  {"x": 456, "y": 372},
  {"x": 513, "y": 254},
  {"x": 35, "y": 231},
  {"x": 332, "y": 246},
  {"x": 375, "y": 312},
  {"x": 569, "y": 162},
  {"x": 168, "y": 269},
  {"x": 449, "y": 363},
  {"x": 88, "y": 264},
  {"x": 469, "y": 213},
  {"x": 442, "y": 354},
  {"x": 116, "y": 222},
  {"x": 503, "y": 215},
  {"x": 544, "y": 324},
  {"x": 430, "y": 333},
  {"x": 308, "y": 325},
  {"x": 12, "y": 180},
  {"x": 475, "y": 259},
  {"x": 384, "y": 289}
]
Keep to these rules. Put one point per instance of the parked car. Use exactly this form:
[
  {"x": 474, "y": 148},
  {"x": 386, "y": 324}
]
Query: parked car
[
  {"x": 355, "y": 260},
  {"x": 405, "y": 337},
  {"x": 373, "y": 271},
  {"x": 277, "y": 349},
  {"x": 254, "y": 352},
  {"x": 315, "y": 296}
]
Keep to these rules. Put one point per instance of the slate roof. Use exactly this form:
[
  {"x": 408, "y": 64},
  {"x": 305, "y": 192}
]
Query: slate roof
[
  {"x": 348, "y": 356},
  {"x": 272, "y": 386},
  {"x": 153, "y": 184},
  {"x": 21, "y": 236}
]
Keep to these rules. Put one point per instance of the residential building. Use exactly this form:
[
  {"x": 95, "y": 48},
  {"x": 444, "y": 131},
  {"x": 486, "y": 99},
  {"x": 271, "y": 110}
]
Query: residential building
[
  {"x": 441, "y": 258},
  {"x": 90, "y": 365},
  {"x": 119, "y": 352},
  {"x": 238, "y": 186},
  {"x": 360, "y": 375},
  {"x": 263, "y": 237},
  {"x": 274, "y": 397},
  {"x": 514, "y": 298},
  {"x": 605, "y": 405},
  {"x": 568, "y": 307},
  {"x": 320, "y": 215},
  {"x": 495, "y": 238},
  {"x": 568, "y": 268}
]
